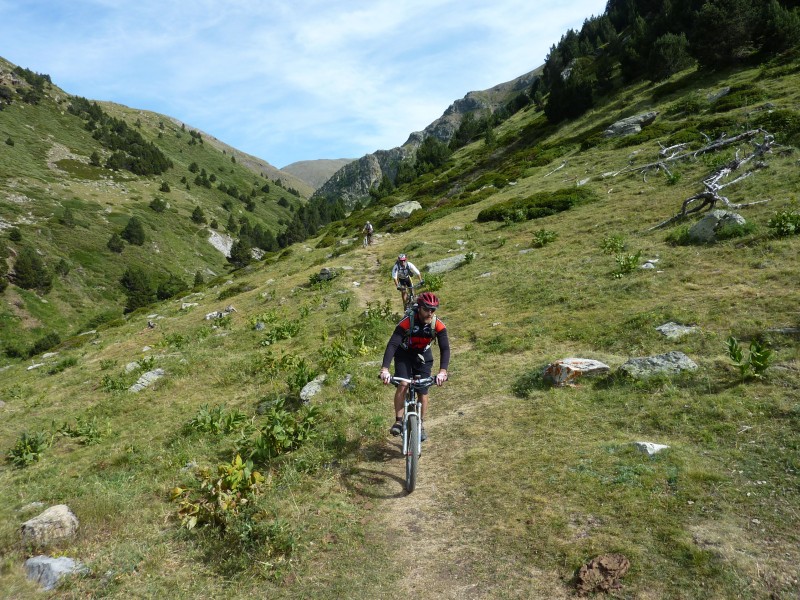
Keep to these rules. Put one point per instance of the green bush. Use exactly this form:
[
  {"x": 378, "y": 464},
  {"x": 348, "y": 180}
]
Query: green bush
[
  {"x": 783, "y": 123},
  {"x": 626, "y": 263},
  {"x": 539, "y": 205},
  {"x": 785, "y": 223},
  {"x": 45, "y": 343},
  {"x": 216, "y": 499},
  {"x": 216, "y": 420},
  {"x": 543, "y": 237},
  {"x": 29, "y": 448},
  {"x": 757, "y": 360},
  {"x": 284, "y": 431},
  {"x": 612, "y": 244},
  {"x": 739, "y": 97}
]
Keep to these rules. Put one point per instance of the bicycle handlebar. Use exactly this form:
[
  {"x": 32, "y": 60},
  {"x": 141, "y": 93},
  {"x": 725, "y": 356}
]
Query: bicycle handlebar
[{"x": 425, "y": 382}]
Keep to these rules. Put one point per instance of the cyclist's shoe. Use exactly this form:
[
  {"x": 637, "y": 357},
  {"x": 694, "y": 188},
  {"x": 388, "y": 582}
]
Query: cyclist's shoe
[
  {"x": 397, "y": 428},
  {"x": 423, "y": 435}
]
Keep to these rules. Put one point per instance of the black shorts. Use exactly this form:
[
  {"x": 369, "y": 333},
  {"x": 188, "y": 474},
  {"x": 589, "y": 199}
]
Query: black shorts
[
  {"x": 407, "y": 363},
  {"x": 406, "y": 282}
]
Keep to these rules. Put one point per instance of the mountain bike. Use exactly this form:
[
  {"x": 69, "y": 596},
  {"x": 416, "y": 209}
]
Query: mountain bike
[
  {"x": 412, "y": 424},
  {"x": 367, "y": 240},
  {"x": 411, "y": 293}
]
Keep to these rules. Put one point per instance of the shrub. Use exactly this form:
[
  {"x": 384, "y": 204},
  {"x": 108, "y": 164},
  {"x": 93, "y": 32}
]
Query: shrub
[
  {"x": 626, "y": 263},
  {"x": 45, "y": 343},
  {"x": 543, "y": 237},
  {"x": 216, "y": 420},
  {"x": 539, "y": 205},
  {"x": 173, "y": 286},
  {"x": 734, "y": 230},
  {"x": 738, "y": 97},
  {"x": 612, "y": 244},
  {"x": 785, "y": 223},
  {"x": 29, "y": 448},
  {"x": 217, "y": 498},
  {"x": 159, "y": 205},
  {"x": 283, "y": 432},
  {"x": 757, "y": 361},
  {"x": 115, "y": 243},
  {"x": 434, "y": 281}
]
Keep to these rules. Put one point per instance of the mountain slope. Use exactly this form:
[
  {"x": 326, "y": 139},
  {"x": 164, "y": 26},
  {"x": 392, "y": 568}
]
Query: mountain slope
[
  {"x": 520, "y": 484},
  {"x": 353, "y": 182},
  {"x": 66, "y": 208},
  {"x": 316, "y": 172}
]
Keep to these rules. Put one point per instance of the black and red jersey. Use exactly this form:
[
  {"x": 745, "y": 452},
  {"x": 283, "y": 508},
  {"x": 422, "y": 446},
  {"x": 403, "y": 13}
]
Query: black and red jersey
[{"x": 418, "y": 339}]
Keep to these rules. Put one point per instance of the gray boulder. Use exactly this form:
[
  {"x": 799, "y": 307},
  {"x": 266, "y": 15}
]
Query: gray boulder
[
  {"x": 705, "y": 230},
  {"x": 404, "y": 209},
  {"x": 312, "y": 388},
  {"x": 47, "y": 571},
  {"x": 54, "y": 524},
  {"x": 327, "y": 273},
  {"x": 671, "y": 363},
  {"x": 567, "y": 371},
  {"x": 446, "y": 264},
  {"x": 675, "y": 331},
  {"x": 146, "y": 380},
  {"x": 631, "y": 125}
]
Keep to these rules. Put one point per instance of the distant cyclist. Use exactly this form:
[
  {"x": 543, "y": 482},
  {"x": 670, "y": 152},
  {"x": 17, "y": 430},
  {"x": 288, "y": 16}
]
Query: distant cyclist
[
  {"x": 368, "y": 229},
  {"x": 410, "y": 346},
  {"x": 402, "y": 272}
]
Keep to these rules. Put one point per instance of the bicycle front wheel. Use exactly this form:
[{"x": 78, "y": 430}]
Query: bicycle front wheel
[{"x": 412, "y": 452}]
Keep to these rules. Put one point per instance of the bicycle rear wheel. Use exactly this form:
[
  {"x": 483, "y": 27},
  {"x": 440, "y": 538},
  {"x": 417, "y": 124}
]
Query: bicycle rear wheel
[{"x": 412, "y": 453}]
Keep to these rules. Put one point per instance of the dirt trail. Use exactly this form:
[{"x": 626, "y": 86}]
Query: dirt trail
[{"x": 433, "y": 551}]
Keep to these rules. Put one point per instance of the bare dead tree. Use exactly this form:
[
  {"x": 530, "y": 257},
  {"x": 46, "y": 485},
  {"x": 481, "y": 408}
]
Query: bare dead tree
[{"x": 714, "y": 183}]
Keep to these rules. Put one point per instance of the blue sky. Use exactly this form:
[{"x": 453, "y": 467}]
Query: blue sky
[{"x": 290, "y": 80}]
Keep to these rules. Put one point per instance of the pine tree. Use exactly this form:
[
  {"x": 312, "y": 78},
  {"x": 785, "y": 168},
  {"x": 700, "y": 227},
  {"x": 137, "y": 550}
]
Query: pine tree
[
  {"x": 138, "y": 287},
  {"x": 198, "y": 216},
  {"x": 134, "y": 232},
  {"x": 241, "y": 253},
  {"x": 30, "y": 272},
  {"x": 115, "y": 243}
]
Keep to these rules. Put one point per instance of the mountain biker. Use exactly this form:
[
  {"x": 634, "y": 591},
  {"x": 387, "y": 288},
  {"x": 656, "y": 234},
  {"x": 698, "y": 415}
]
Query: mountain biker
[
  {"x": 410, "y": 346},
  {"x": 368, "y": 229},
  {"x": 402, "y": 271}
]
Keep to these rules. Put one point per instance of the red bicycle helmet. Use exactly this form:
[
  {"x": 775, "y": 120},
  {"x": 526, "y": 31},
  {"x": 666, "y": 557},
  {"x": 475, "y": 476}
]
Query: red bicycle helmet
[
  {"x": 428, "y": 300},
  {"x": 402, "y": 258}
]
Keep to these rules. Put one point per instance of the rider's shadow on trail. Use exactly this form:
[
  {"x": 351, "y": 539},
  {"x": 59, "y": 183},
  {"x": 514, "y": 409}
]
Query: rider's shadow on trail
[{"x": 377, "y": 483}]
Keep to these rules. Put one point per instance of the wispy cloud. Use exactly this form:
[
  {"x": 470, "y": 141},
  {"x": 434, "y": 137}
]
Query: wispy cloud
[{"x": 288, "y": 81}]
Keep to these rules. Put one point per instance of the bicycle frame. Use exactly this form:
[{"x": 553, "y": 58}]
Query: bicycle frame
[{"x": 412, "y": 417}]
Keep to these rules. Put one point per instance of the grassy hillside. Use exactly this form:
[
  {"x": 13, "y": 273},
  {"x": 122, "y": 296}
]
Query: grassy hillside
[
  {"x": 46, "y": 171},
  {"x": 520, "y": 484}
]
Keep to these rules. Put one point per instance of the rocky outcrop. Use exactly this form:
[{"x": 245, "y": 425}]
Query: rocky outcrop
[
  {"x": 352, "y": 182},
  {"x": 404, "y": 209},
  {"x": 631, "y": 125}
]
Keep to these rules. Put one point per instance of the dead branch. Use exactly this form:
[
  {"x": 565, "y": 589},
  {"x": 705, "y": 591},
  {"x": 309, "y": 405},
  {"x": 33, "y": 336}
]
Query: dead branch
[
  {"x": 564, "y": 164},
  {"x": 713, "y": 183}
]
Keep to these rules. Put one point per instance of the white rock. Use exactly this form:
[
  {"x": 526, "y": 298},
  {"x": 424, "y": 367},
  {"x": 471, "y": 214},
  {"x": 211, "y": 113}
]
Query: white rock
[{"x": 650, "y": 448}]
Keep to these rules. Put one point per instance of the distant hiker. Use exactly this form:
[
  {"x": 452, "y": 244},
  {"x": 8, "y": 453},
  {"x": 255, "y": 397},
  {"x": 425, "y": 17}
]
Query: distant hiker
[
  {"x": 368, "y": 229},
  {"x": 402, "y": 271},
  {"x": 410, "y": 347}
]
